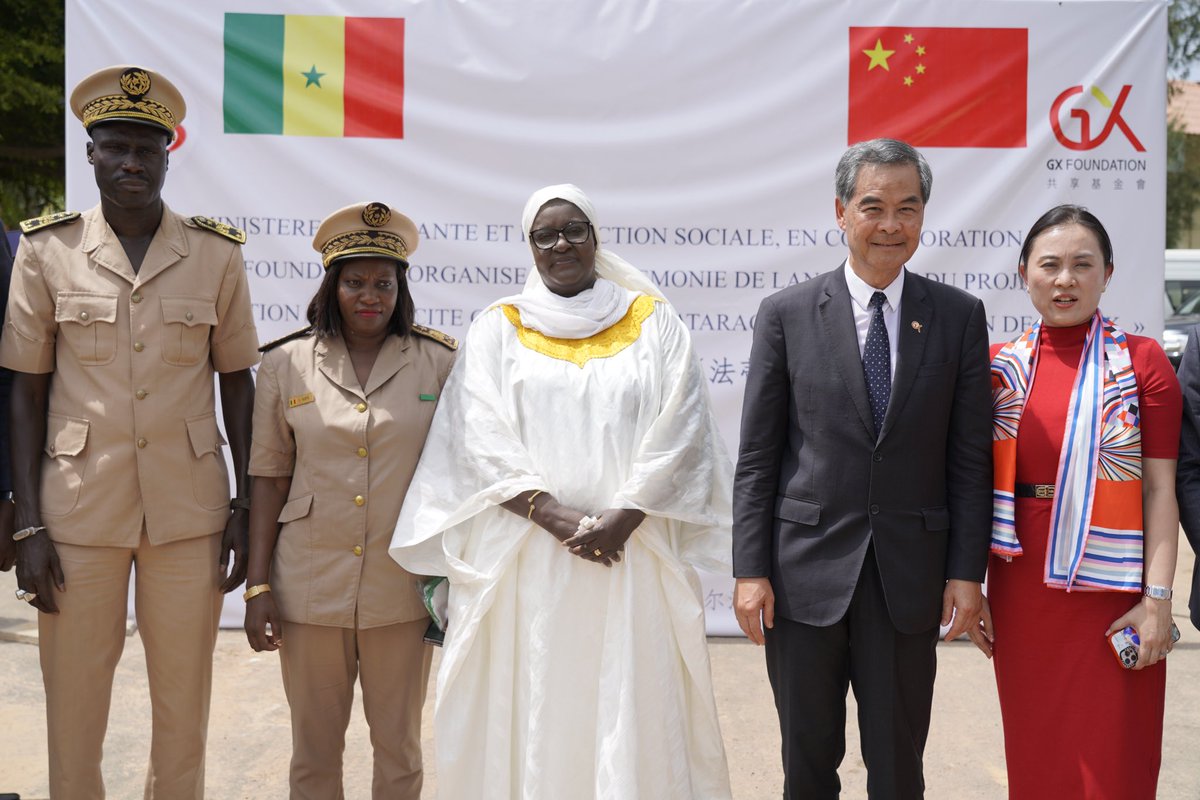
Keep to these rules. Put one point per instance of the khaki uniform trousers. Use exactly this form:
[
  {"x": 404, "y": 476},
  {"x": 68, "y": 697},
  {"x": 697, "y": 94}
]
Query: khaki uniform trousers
[
  {"x": 320, "y": 664},
  {"x": 178, "y": 606}
]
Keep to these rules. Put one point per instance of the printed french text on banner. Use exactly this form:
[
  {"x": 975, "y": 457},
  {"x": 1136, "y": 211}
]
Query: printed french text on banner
[{"x": 706, "y": 132}]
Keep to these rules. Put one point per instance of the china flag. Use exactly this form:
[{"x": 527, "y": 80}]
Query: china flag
[{"x": 939, "y": 87}]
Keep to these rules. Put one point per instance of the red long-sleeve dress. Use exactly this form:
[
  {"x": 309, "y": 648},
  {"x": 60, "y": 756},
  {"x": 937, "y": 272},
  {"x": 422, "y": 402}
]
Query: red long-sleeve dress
[{"x": 1076, "y": 724}]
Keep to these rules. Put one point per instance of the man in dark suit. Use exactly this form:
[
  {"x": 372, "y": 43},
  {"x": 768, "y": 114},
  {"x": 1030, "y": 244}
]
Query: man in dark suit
[
  {"x": 862, "y": 501},
  {"x": 8, "y": 548},
  {"x": 1187, "y": 473}
]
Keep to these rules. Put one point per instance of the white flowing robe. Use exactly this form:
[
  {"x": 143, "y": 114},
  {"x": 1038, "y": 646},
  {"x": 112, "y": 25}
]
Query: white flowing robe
[{"x": 562, "y": 679}]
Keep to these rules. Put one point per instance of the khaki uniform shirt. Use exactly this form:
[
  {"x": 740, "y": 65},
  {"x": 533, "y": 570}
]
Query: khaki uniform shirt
[
  {"x": 351, "y": 453},
  {"x": 131, "y": 432}
]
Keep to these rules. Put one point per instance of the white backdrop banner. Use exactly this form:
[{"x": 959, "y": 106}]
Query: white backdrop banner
[{"x": 706, "y": 132}]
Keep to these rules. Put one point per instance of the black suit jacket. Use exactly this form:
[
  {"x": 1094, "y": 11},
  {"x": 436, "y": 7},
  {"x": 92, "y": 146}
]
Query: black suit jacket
[
  {"x": 814, "y": 486},
  {"x": 6, "y": 259},
  {"x": 1187, "y": 475}
]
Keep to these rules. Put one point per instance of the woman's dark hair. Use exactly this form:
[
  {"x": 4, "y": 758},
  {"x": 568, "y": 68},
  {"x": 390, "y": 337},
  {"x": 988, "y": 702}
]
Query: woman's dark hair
[
  {"x": 326, "y": 319},
  {"x": 1068, "y": 215}
]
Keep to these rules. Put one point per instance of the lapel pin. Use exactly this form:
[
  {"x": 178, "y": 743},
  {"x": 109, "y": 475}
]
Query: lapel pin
[{"x": 916, "y": 326}]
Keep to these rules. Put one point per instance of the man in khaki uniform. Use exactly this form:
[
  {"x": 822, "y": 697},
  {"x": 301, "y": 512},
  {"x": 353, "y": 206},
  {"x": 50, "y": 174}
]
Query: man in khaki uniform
[
  {"x": 340, "y": 419},
  {"x": 117, "y": 319}
]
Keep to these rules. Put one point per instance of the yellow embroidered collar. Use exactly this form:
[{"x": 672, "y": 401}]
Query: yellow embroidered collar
[{"x": 604, "y": 344}]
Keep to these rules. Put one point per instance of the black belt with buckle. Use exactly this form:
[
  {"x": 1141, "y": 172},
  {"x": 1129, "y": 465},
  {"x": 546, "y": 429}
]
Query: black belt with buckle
[{"x": 1042, "y": 491}]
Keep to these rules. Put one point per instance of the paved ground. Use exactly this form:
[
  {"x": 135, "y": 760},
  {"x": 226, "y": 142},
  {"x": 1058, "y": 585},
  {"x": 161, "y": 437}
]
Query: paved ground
[{"x": 249, "y": 740}]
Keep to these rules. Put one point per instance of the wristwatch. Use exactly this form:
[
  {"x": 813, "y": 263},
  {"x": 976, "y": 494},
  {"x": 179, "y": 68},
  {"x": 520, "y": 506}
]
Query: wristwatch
[{"x": 1157, "y": 592}]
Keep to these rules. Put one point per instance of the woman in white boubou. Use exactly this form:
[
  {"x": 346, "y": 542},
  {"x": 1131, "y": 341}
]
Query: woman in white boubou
[{"x": 573, "y": 479}]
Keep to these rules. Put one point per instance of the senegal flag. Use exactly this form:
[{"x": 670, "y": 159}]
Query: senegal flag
[{"x": 314, "y": 76}]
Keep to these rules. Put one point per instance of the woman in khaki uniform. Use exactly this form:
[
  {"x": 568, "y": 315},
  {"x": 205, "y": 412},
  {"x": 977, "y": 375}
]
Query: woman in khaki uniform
[{"x": 340, "y": 417}]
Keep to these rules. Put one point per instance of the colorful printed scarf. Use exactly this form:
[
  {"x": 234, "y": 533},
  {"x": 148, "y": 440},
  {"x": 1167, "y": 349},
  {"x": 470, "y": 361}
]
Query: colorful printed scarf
[{"x": 1096, "y": 521}]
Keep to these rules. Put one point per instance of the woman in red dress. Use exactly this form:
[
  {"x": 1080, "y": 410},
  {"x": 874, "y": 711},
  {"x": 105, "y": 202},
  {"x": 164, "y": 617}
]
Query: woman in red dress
[{"x": 1085, "y": 528}]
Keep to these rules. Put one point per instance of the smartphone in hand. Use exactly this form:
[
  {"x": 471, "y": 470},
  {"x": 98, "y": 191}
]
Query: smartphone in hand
[{"x": 1125, "y": 643}]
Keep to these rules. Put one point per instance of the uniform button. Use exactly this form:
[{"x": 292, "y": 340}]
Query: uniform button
[
  {"x": 359, "y": 500},
  {"x": 358, "y": 550},
  {"x": 138, "y": 347},
  {"x": 874, "y": 508},
  {"x": 361, "y": 407},
  {"x": 362, "y": 452},
  {"x": 136, "y": 297},
  {"x": 188, "y": 316},
  {"x": 83, "y": 315},
  {"x": 140, "y": 394},
  {"x": 141, "y": 442},
  {"x": 877, "y": 457}
]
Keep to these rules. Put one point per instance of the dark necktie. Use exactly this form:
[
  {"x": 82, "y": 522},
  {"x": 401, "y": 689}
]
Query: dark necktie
[{"x": 877, "y": 362}]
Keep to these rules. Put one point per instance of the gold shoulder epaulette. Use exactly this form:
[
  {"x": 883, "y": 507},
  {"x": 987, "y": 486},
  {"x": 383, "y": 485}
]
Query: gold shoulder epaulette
[
  {"x": 228, "y": 231},
  {"x": 300, "y": 334},
  {"x": 439, "y": 337},
  {"x": 37, "y": 223}
]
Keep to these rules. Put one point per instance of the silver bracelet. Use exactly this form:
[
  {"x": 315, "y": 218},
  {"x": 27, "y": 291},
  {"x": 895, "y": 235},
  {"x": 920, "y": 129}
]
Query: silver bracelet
[{"x": 25, "y": 533}]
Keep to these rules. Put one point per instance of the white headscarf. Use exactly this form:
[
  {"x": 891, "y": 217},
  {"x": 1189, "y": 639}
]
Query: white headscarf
[{"x": 618, "y": 282}]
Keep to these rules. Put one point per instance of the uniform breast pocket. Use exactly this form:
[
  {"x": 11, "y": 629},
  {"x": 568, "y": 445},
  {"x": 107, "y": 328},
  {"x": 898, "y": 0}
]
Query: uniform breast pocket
[
  {"x": 87, "y": 321},
  {"x": 187, "y": 323}
]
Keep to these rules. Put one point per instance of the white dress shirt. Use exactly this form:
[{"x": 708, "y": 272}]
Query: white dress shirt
[{"x": 860, "y": 304}]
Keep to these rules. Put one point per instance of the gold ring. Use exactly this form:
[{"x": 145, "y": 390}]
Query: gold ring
[{"x": 597, "y": 552}]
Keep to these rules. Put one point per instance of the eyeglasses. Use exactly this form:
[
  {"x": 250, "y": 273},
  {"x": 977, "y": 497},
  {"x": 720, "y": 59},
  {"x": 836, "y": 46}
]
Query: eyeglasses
[{"x": 574, "y": 233}]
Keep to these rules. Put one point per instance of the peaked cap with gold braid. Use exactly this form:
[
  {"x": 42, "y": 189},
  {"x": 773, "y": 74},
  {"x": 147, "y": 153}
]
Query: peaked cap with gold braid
[
  {"x": 365, "y": 229},
  {"x": 126, "y": 93}
]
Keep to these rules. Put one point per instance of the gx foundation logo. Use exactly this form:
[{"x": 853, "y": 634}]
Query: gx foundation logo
[{"x": 1086, "y": 141}]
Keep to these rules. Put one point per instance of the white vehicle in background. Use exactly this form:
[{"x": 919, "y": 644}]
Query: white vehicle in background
[{"x": 1181, "y": 297}]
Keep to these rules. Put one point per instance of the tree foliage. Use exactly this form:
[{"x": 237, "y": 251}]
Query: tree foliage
[
  {"x": 1183, "y": 182},
  {"x": 1183, "y": 37},
  {"x": 1183, "y": 149},
  {"x": 32, "y": 168}
]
